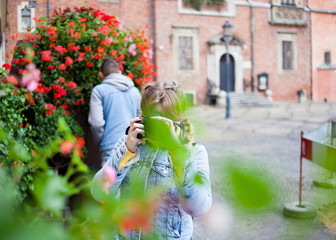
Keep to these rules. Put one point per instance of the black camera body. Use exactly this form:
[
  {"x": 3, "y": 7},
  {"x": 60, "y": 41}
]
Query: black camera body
[{"x": 142, "y": 121}]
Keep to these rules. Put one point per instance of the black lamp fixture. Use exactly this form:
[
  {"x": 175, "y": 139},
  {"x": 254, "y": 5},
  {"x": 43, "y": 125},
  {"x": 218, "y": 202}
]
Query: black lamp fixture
[
  {"x": 227, "y": 33},
  {"x": 227, "y": 36}
]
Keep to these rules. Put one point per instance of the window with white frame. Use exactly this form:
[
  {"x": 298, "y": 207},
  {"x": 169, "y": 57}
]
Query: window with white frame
[
  {"x": 25, "y": 17},
  {"x": 185, "y": 49},
  {"x": 185, "y": 46},
  {"x": 287, "y": 57},
  {"x": 288, "y": 2}
]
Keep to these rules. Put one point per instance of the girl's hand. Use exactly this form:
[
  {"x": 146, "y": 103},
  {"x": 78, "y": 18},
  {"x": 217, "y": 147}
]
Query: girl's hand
[{"x": 135, "y": 128}]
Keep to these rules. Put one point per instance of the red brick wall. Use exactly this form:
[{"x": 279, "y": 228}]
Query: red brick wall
[
  {"x": 323, "y": 39},
  {"x": 136, "y": 13},
  {"x": 326, "y": 88},
  {"x": 325, "y": 4},
  {"x": 284, "y": 86}
]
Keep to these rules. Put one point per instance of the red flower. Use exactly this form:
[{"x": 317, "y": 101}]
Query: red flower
[
  {"x": 60, "y": 49},
  {"x": 67, "y": 146},
  {"x": 77, "y": 35},
  {"x": 49, "y": 108},
  {"x": 80, "y": 143},
  {"x": 138, "y": 81},
  {"x": 130, "y": 75},
  {"x": 71, "y": 85},
  {"x": 87, "y": 49},
  {"x": 113, "y": 53},
  {"x": 98, "y": 56},
  {"x": 136, "y": 63},
  {"x": 68, "y": 61},
  {"x": 12, "y": 80},
  {"x": 81, "y": 56},
  {"x": 51, "y": 67},
  {"x": 46, "y": 56},
  {"x": 62, "y": 67},
  {"x": 89, "y": 64},
  {"x": 61, "y": 79},
  {"x": 53, "y": 14},
  {"x": 7, "y": 66},
  {"x": 65, "y": 107},
  {"x": 104, "y": 30},
  {"x": 72, "y": 25}
]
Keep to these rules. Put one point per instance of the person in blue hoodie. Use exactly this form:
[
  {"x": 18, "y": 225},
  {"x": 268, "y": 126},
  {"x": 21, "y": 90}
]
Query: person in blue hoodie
[
  {"x": 165, "y": 156},
  {"x": 113, "y": 104}
]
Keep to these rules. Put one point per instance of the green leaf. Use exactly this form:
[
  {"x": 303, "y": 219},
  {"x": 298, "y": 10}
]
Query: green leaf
[
  {"x": 18, "y": 152},
  {"x": 51, "y": 192},
  {"x": 63, "y": 126}
]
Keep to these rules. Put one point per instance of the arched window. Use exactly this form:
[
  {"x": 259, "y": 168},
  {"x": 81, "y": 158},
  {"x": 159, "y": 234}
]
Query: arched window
[{"x": 25, "y": 17}]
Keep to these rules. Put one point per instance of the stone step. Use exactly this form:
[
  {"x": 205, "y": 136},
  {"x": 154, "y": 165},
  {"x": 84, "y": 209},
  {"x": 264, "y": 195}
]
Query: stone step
[{"x": 245, "y": 99}]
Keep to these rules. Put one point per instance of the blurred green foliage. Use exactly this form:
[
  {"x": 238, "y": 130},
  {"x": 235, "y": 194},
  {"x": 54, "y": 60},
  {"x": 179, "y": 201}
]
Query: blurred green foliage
[
  {"x": 249, "y": 186},
  {"x": 61, "y": 206}
]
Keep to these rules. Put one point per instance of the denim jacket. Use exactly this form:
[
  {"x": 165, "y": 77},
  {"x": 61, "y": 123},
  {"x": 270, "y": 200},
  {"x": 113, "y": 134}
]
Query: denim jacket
[{"x": 184, "y": 199}]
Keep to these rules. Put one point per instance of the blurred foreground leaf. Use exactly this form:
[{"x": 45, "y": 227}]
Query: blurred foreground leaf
[{"x": 250, "y": 186}]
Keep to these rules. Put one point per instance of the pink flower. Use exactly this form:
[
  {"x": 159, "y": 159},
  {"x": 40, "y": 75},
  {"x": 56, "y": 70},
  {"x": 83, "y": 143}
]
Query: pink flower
[
  {"x": 31, "y": 78},
  {"x": 109, "y": 177},
  {"x": 131, "y": 49},
  {"x": 109, "y": 40}
]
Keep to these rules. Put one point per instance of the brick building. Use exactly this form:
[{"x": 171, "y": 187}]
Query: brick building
[
  {"x": 277, "y": 40},
  {"x": 323, "y": 17}
]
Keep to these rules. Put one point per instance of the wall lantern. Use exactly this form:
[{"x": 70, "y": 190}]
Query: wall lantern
[{"x": 262, "y": 81}]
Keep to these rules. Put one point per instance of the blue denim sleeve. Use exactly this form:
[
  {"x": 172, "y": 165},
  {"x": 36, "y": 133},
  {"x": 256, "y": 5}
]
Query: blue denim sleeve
[
  {"x": 195, "y": 197},
  {"x": 117, "y": 154}
]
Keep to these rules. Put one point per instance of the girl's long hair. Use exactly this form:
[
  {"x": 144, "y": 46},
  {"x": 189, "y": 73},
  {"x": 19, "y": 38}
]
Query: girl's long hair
[{"x": 167, "y": 99}]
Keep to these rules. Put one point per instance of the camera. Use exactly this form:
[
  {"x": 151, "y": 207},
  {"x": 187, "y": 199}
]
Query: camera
[
  {"x": 157, "y": 129},
  {"x": 142, "y": 121}
]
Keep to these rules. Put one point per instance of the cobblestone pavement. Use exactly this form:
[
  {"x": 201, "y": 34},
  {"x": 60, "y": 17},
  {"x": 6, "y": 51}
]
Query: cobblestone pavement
[{"x": 268, "y": 137}]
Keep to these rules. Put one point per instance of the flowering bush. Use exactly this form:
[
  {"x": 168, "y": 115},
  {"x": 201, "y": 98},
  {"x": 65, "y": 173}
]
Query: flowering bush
[
  {"x": 46, "y": 215},
  {"x": 55, "y": 69},
  {"x": 57, "y": 66},
  {"x": 30, "y": 130},
  {"x": 69, "y": 49}
]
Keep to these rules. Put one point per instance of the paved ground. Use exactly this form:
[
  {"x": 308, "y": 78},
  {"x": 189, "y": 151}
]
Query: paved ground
[{"x": 267, "y": 138}]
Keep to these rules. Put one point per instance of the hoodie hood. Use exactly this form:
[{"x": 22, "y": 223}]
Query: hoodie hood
[{"x": 120, "y": 81}]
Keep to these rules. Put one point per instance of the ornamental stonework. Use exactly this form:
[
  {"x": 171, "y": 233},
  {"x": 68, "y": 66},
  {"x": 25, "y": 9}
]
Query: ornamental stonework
[{"x": 288, "y": 13}]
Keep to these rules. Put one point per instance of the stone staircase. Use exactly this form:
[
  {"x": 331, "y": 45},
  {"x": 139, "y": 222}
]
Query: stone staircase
[{"x": 245, "y": 99}]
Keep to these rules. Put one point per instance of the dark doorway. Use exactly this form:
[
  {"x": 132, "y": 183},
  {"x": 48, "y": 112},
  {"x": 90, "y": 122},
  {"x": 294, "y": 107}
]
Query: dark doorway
[{"x": 223, "y": 74}]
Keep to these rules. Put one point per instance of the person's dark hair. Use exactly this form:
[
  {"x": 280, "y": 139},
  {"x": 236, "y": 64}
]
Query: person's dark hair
[{"x": 109, "y": 66}]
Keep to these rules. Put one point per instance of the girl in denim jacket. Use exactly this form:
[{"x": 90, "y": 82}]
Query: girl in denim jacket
[{"x": 159, "y": 150}]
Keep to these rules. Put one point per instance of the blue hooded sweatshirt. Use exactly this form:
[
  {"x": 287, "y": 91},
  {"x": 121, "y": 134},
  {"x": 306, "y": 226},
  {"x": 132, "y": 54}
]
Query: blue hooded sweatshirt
[{"x": 113, "y": 104}]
